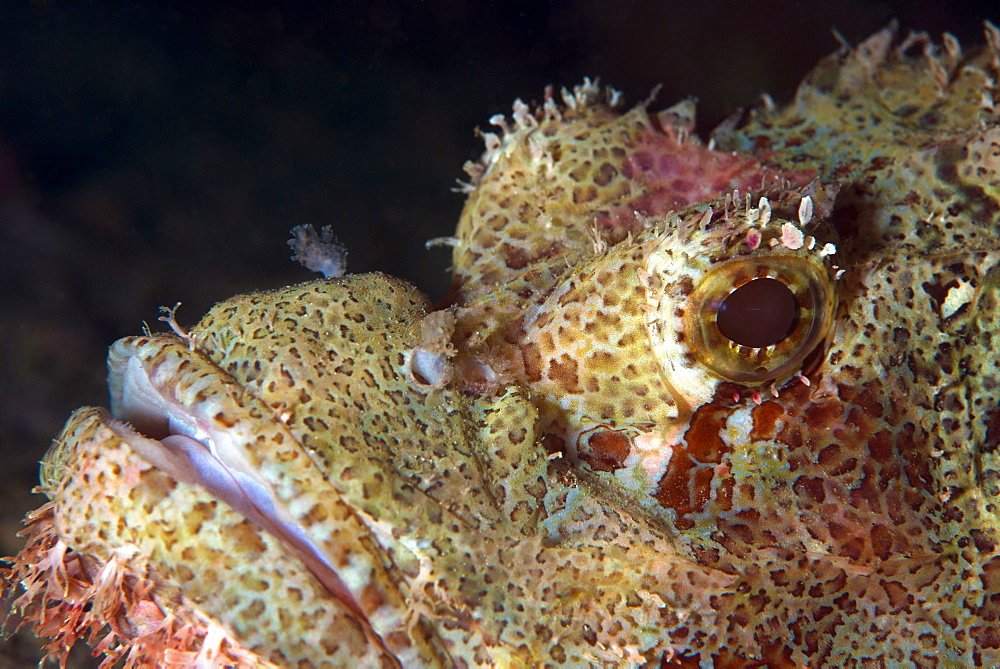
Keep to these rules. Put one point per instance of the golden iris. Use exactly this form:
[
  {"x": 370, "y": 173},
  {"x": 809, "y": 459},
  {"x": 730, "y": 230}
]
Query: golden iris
[{"x": 755, "y": 320}]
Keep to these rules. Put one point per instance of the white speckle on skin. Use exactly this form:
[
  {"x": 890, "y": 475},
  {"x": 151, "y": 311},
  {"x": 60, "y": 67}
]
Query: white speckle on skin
[
  {"x": 739, "y": 424},
  {"x": 957, "y": 297},
  {"x": 427, "y": 370},
  {"x": 653, "y": 452}
]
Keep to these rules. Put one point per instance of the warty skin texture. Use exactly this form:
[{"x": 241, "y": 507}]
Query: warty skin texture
[{"x": 595, "y": 474}]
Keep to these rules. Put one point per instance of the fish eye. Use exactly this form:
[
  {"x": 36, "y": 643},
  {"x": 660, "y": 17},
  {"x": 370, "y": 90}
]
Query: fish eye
[
  {"x": 755, "y": 320},
  {"x": 759, "y": 313}
]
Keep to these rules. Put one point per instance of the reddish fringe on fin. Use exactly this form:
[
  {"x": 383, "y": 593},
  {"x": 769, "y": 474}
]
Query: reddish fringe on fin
[{"x": 66, "y": 596}]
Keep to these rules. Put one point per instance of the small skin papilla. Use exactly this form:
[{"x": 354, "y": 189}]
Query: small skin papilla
[{"x": 170, "y": 318}]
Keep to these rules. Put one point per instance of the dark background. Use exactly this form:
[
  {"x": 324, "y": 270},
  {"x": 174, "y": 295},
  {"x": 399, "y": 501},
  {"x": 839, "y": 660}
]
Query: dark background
[{"x": 160, "y": 152}]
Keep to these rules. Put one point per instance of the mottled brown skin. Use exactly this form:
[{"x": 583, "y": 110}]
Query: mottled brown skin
[
  {"x": 858, "y": 510},
  {"x": 600, "y": 476},
  {"x": 459, "y": 540},
  {"x": 886, "y": 468}
]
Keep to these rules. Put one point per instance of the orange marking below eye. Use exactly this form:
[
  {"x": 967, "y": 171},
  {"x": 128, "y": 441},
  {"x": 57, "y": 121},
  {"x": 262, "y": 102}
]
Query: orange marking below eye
[
  {"x": 764, "y": 418},
  {"x": 687, "y": 484},
  {"x": 607, "y": 449}
]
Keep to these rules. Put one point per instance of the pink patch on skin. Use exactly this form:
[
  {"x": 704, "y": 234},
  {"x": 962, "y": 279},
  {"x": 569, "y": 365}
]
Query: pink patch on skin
[
  {"x": 677, "y": 174},
  {"x": 674, "y": 174},
  {"x": 753, "y": 238}
]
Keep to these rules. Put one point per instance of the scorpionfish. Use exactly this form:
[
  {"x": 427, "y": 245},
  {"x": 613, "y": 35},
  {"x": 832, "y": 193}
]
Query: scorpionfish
[{"x": 688, "y": 403}]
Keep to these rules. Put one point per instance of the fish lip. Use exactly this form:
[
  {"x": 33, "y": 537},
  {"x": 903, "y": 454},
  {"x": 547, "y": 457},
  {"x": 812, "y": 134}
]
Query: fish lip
[{"x": 179, "y": 440}]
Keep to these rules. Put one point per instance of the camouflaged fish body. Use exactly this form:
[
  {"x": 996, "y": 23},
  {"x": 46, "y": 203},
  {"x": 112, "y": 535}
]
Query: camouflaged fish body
[{"x": 720, "y": 405}]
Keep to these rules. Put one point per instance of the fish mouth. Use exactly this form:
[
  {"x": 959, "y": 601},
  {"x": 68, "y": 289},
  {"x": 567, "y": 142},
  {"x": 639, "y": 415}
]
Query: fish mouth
[{"x": 186, "y": 439}]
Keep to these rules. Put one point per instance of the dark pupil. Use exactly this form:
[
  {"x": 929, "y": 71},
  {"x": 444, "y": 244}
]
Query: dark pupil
[{"x": 758, "y": 313}]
